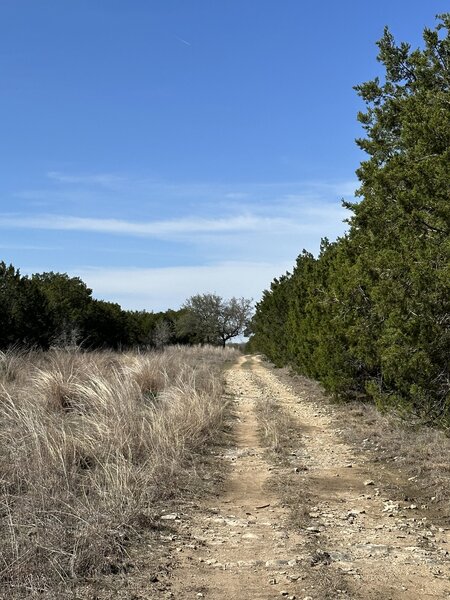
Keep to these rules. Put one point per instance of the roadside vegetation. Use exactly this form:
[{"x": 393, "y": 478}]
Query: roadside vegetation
[
  {"x": 93, "y": 446},
  {"x": 53, "y": 309},
  {"x": 403, "y": 446},
  {"x": 369, "y": 317}
]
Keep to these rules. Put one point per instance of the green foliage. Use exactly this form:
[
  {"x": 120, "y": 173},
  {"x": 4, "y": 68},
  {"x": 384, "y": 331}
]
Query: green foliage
[
  {"x": 159, "y": 329},
  {"x": 68, "y": 299},
  {"x": 209, "y": 319},
  {"x": 370, "y": 316},
  {"x": 53, "y": 309},
  {"x": 269, "y": 326},
  {"x": 105, "y": 324},
  {"x": 25, "y": 317}
]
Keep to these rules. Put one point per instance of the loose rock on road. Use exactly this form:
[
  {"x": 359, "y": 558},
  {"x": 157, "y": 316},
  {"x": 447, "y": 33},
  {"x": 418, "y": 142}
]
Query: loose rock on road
[{"x": 354, "y": 542}]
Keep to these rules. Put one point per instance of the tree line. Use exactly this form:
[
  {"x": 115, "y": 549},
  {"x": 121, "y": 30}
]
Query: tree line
[
  {"x": 54, "y": 309},
  {"x": 369, "y": 316}
]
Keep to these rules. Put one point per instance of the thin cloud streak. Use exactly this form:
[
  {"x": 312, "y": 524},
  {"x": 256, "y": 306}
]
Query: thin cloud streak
[
  {"x": 183, "y": 41},
  {"x": 28, "y": 247},
  {"x": 168, "y": 287},
  {"x": 175, "y": 227},
  {"x": 231, "y": 190},
  {"x": 258, "y": 228},
  {"x": 102, "y": 179}
]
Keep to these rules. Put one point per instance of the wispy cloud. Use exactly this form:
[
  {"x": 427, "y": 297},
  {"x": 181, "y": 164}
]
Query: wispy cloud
[
  {"x": 29, "y": 247},
  {"x": 162, "y": 288},
  {"x": 183, "y": 41},
  {"x": 242, "y": 223},
  {"x": 232, "y": 238},
  {"x": 123, "y": 195},
  {"x": 237, "y": 195},
  {"x": 230, "y": 190},
  {"x": 99, "y": 179}
]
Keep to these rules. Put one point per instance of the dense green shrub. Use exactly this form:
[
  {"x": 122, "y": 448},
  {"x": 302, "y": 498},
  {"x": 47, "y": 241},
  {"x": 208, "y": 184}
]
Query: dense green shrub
[
  {"x": 370, "y": 316},
  {"x": 54, "y": 309}
]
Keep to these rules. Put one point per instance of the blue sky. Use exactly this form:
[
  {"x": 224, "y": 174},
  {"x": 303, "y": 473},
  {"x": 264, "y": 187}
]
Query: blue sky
[{"x": 163, "y": 148}]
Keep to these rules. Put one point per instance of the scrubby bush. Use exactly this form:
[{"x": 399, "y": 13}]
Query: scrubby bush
[
  {"x": 369, "y": 316},
  {"x": 90, "y": 445}
]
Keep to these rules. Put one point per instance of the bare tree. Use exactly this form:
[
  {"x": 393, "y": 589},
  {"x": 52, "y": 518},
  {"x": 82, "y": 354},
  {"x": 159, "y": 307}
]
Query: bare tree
[
  {"x": 209, "y": 319},
  {"x": 162, "y": 334},
  {"x": 234, "y": 318}
]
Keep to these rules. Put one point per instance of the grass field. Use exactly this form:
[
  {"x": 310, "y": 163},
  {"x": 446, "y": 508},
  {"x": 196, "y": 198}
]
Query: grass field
[{"x": 91, "y": 444}]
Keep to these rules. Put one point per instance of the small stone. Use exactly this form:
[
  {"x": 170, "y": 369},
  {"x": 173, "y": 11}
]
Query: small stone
[
  {"x": 199, "y": 595},
  {"x": 275, "y": 563},
  {"x": 369, "y": 482},
  {"x": 349, "y": 465},
  {"x": 170, "y": 517},
  {"x": 284, "y": 593}
]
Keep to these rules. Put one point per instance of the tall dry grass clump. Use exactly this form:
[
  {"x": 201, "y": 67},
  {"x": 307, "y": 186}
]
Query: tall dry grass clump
[{"x": 89, "y": 444}]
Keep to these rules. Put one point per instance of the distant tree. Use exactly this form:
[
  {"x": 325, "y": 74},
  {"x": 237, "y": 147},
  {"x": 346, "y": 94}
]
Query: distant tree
[
  {"x": 25, "y": 317},
  {"x": 105, "y": 325},
  {"x": 209, "y": 319},
  {"x": 140, "y": 327},
  {"x": 268, "y": 326},
  {"x": 68, "y": 299},
  {"x": 148, "y": 329},
  {"x": 162, "y": 333}
]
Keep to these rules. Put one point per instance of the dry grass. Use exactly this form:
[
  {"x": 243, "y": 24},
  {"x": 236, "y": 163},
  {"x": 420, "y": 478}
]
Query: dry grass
[
  {"x": 90, "y": 445},
  {"x": 420, "y": 453},
  {"x": 275, "y": 428}
]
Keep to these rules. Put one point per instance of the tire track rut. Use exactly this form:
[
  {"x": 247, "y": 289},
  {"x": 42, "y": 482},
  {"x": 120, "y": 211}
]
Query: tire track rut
[{"x": 246, "y": 546}]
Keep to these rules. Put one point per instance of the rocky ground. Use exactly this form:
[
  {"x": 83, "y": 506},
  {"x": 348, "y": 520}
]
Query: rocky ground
[{"x": 311, "y": 517}]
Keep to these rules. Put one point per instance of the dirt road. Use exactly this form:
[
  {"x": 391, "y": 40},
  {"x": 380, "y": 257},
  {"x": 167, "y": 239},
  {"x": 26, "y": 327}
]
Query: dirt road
[{"x": 316, "y": 525}]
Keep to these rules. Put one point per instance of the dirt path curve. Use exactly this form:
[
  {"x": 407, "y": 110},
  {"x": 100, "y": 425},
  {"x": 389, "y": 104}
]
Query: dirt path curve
[{"x": 354, "y": 542}]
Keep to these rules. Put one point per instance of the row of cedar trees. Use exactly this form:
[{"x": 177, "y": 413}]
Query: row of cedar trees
[
  {"x": 370, "y": 316},
  {"x": 54, "y": 309}
]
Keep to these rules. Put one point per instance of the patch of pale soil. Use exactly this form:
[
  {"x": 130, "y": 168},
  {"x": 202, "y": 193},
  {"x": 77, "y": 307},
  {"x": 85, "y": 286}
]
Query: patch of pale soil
[
  {"x": 245, "y": 546},
  {"x": 240, "y": 545},
  {"x": 387, "y": 546}
]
